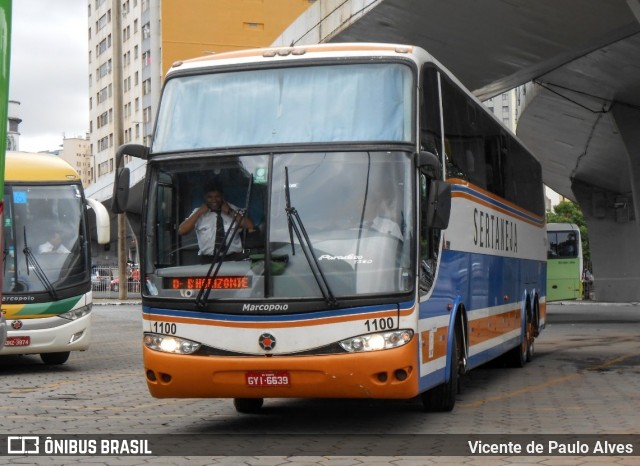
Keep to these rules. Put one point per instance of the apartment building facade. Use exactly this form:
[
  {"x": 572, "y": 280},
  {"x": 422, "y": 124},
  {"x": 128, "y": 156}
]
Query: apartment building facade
[{"x": 132, "y": 43}]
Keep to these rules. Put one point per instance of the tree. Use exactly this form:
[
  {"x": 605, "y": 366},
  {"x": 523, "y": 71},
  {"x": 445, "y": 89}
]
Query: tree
[{"x": 569, "y": 212}]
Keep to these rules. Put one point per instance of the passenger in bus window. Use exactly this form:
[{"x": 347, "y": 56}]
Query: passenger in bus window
[
  {"x": 211, "y": 221},
  {"x": 386, "y": 219},
  {"x": 53, "y": 244}
]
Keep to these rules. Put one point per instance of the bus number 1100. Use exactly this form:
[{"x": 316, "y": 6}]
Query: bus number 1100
[
  {"x": 375, "y": 325},
  {"x": 167, "y": 328}
]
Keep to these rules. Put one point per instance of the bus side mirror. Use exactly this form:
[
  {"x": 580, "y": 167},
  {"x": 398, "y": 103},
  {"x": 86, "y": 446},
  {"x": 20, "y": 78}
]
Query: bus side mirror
[
  {"x": 439, "y": 204},
  {"x": 429, "y": 164},
  {"x": 120, "y": 191},
  {"x": 121, "y": 183}
]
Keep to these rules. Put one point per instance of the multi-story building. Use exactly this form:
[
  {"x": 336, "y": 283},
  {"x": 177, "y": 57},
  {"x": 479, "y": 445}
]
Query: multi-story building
[
  {"x": 132, "y": 43},
  {"x": 75, "y": 151},
  {"x": 13, "y": 126}
]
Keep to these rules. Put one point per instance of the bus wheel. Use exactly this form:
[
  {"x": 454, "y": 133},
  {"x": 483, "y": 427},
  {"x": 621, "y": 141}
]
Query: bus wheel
[
  {"x": 530, "y": 340},
  {"x": 443, "y": 397},
  {"x": 54, "y": 358},
  {"x": 518, "y": 356},
  {"x": 248, "y": 405}
]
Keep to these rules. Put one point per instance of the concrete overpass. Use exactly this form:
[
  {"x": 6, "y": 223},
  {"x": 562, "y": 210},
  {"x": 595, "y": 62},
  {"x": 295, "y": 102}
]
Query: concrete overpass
[{"x": 583, "y": 122}]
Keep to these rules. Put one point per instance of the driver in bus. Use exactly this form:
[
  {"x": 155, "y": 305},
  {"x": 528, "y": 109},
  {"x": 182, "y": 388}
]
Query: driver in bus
[
  {"x": 53, "y": 244},
  {"x": 211, "y": 222}
]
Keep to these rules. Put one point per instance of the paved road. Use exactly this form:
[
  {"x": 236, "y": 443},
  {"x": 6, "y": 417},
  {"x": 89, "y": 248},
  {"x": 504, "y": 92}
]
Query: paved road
[{"x": 584, "y": 379}]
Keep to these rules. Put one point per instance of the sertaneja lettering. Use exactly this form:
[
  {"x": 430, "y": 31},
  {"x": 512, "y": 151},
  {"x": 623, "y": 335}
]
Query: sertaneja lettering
[{"x": 492, "y": 231}]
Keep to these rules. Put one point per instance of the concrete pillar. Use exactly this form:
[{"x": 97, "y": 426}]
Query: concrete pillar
[{"x": 613, "y": 220}]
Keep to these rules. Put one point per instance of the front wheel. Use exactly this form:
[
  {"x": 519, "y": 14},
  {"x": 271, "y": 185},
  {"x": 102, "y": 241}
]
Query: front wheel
[
  {"x": 443, "y": 397},
  {"x": 248, "y": 405},
  {"x": 52, "y": 359}
]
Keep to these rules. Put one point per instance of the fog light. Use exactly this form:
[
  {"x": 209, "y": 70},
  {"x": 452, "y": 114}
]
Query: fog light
[
  {"x": 76, "y": 336},
  {"x": 401, "y": 374}
]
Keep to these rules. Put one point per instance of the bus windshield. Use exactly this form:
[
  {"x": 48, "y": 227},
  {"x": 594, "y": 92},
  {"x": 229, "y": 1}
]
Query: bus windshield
[
  {"x": 352, "y": 210},
  {"x": 310, "y": 104},
  {"x": 562, "y": 245},
  {"x": 43, "y": 228}
]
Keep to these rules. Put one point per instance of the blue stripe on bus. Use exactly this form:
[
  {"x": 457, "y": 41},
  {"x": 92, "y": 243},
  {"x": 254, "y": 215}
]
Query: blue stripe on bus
[
  {"x": 482, "y": 281},
  {"x": 276, "y": 317}
]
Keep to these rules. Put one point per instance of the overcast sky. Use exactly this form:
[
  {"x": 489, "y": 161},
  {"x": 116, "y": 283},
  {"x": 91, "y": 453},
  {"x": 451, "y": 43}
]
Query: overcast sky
[{"x": 49, "y": 71}]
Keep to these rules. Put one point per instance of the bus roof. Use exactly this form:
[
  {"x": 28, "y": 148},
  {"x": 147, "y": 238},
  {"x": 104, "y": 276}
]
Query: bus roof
[
  {"x": 28, "y": 166},
  {"x": 562, "y": 227},
  {"x": 296, "y": 52}
]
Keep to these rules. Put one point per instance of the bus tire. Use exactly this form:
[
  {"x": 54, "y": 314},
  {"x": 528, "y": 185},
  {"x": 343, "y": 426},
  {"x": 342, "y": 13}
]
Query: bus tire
[
  {"x": 443, "y": 397},
  {"x": 248, "y": 405},
  {"x": 518, "y": 356},
  {"x": 532, "y": 333},
  {"x": 52, "y": 359}
]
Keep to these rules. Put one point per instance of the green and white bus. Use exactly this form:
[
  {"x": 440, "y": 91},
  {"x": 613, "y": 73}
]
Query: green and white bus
[
  {"x": 46, "y": 291},
  {"x": 564, "y": 262}
]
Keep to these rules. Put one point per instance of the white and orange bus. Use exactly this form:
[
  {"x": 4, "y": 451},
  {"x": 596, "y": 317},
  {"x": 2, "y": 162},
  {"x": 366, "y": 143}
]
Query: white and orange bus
[
  {"x": 46, "y": 287},
  {"x": 399, "y": 229}
]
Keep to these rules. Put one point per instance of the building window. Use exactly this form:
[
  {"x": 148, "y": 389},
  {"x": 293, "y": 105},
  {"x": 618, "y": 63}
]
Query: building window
[
  {"x": 102, "y": 95},
  {"x": 101, "y": 23}
]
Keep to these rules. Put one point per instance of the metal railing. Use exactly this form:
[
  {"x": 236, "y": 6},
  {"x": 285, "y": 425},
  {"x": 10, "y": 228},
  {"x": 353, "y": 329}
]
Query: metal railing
[{"x": 105, "y": 282}]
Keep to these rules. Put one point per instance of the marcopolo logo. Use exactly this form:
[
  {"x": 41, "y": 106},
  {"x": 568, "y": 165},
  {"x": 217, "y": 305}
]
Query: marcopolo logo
[{"x": 265, "y": 307}]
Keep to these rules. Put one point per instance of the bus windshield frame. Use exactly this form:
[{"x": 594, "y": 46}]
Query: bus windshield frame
[{"x": 356, "y": 208}]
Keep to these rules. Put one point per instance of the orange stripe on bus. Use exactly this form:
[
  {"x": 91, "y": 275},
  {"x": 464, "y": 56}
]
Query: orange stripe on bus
[
  {"x": 439, "y": 344},
  {"x": 494, "y": 207},
  {"x": 458, "y": 181},
  {"x": 480, "y": 330},
  {"x": 487, "y": 328},
  {"x": 277, "y": 324}
]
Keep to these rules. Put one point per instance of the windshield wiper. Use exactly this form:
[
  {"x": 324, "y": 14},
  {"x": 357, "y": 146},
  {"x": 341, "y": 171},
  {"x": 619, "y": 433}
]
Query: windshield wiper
[
  {"x": 220, "y": 254},
  {"x": 296, "y": 226},
  {"x": 42, "y": 276}
]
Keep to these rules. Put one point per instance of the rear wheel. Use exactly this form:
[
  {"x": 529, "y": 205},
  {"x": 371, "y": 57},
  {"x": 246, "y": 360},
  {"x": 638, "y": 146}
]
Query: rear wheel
[
  {"x": 443, "y": 397},
  {"x": 248, "y": 405},
  {"x": 55, "y": 358},
  {"x": 522, "y": 353}
]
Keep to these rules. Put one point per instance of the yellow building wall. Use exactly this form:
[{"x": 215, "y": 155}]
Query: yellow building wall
[{"x": 192, "y": 28}]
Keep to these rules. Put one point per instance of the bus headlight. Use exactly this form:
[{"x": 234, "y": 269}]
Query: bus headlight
[
  {"x": 170, "y": 344},
  {"x": 75, "y": 314},
  {"x": 377, "y": 341}
]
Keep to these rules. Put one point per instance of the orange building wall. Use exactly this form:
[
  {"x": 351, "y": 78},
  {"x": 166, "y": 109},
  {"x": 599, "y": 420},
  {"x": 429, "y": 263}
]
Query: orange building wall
[{"x": 192, "y": 28}]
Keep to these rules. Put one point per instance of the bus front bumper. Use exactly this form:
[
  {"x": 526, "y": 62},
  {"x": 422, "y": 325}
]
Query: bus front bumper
[{"x": 389, "y": 374}]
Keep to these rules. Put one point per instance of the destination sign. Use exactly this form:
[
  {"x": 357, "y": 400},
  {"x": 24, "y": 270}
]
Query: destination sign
[{"x": 196, "y": 283}]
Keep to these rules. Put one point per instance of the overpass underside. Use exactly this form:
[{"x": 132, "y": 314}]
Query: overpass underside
[{"x": 583, "y": 123}]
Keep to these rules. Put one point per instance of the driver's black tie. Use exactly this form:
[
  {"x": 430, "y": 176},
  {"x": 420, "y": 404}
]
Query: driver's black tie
[{"x": 219, "y": 232}]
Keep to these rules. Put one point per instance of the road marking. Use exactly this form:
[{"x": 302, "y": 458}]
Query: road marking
[{"x": 548, "y": 383}]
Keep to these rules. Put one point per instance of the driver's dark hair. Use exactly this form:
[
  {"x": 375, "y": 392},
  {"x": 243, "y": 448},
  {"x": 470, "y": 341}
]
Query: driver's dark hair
[{"x": 214, "y": 187}]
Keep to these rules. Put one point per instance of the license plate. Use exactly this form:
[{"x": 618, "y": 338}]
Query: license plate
[
  {"x": 18, "y": 341},
  {"x": 267, "y": 378}
]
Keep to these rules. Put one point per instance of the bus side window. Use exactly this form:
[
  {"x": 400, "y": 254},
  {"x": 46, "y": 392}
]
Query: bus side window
[
  {"x": 429, "y": 241},
  {"x": 430, "y": 128}
]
